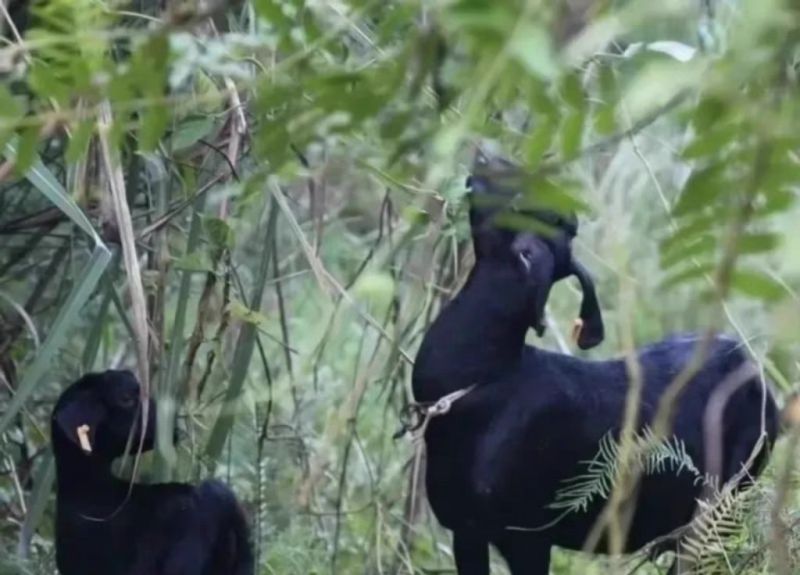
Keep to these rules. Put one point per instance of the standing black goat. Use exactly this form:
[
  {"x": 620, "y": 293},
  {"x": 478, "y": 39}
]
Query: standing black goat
[
  {"x": 498, "y": 457},
  {"x": 105, "y": 525}
]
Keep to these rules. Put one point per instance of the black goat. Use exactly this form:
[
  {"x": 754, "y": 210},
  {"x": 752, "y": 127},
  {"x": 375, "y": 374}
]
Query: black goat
[
  {"x": 105, "y": 525},
  {"x": 497, "y": 459}
]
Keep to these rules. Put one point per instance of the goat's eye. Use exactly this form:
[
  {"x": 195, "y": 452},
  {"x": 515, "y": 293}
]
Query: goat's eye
[
  {"x": 526, "y": 257},
  {"x": 127, "y": 401}
]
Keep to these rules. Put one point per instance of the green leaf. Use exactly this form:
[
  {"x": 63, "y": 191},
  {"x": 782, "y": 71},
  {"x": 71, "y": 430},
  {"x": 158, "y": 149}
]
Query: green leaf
[
  {"x": 11, "y": 107},
  {"x": 541, "y": 102},
  {"x": 702, "y": 245},
  {"x": 47, "y": 84},
  {"x": 708, "y": 113},
  {"x": 495, "y": 17},
  {"x": 427, "y": 46},
  {"x": 374, "y": 286},
  {"x": 692, "y": 272},
  {"x": 690, "y": 228},
  {"x": 120, "y": 88},
  {"x": 776, "y": 201},
  {"x": 190, "y": 131},
  {"x": 541, "y": 141},
  {"x": 781, "y": 175},
  {"x": 26, "y": 149},
  {"x": 605, "y": 119},
  {"x": 154, "y": 125},
  {"x": 195, "y": 262},
  {"x": 531, "y": 47},
  {"x": 273, "y": 12},
  {"x": 758, "y": 243},
  {"x": 712, "y": 141},
  {"x": 243, "y": 313},
  {"x": 219, "y": 233},
  {"x": 572, "y": 135},
  {"x": 79, "y": 141},
  {"x": 702, "y": 188},
  {"x": 44, "y": 181},
  {"x": 523, "y": 223},
  {"x": 394, "y": 124},
  {"x": 557, "y": 195},
  {"x": 756, "y": 285},
  {"x": 607, "y": 82},
  {"x": 572, "y": 92}
]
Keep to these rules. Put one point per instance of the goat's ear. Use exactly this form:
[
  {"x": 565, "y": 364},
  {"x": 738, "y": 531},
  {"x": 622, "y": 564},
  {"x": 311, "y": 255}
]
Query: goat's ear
[
  {"x": 539, "y": 262},
  {"x": 79, "y": 419},
  {"x": 589, "y": 331}
]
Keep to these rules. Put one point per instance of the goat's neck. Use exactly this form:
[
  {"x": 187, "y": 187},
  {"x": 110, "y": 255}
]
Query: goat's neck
[
  {"x": 82, "y": 473},
  {"x": 480, "y": 335}
]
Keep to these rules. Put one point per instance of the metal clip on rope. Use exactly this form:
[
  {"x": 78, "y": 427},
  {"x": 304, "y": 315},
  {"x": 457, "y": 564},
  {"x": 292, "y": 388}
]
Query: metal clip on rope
[{"x": 414, "y": 417}]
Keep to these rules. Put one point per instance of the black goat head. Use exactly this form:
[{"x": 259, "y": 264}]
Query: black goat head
[
  {"x": 543, "y": 250},
  {"x": 101, "y": 414}
]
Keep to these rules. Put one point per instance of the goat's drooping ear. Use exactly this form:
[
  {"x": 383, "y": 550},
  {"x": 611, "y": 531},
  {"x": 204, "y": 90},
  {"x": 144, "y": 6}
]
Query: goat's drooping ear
[
  {"x": 589, "y": 330},
  {"x": 79, "y": 419}
]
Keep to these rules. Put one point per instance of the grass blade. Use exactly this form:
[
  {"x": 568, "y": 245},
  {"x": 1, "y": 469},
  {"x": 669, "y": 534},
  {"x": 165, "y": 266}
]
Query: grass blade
[
  {"x": 44, "y": 181},
  {"x": 165, "y": 450},
  {"x": 244, "y": 350},
  {"x": 68, "y": 315},
  {"x": 42, "y": 486}
]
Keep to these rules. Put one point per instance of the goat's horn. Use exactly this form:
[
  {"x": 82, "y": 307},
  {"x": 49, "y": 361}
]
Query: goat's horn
[{"x": 82, "y": 432}]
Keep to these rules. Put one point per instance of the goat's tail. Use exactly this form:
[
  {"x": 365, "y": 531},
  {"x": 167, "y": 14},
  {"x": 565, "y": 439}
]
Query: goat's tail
[{"x": 232, "y": 550}]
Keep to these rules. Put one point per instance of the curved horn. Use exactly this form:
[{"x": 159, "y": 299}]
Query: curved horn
[{"x": 589, "y": 330}]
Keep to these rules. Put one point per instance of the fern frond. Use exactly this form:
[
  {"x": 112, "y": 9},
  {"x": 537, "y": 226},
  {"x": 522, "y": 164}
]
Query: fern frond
[
  {"x": 650, "y": 456},
  {"x": 716, "y": 531},
  {"x": 598, "y": 481}
]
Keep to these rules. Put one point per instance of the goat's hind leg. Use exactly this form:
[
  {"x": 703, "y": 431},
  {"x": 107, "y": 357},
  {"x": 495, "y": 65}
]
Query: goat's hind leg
[
  {"x": 471, "y": 552},
  {"x": 525, "y": 556}
]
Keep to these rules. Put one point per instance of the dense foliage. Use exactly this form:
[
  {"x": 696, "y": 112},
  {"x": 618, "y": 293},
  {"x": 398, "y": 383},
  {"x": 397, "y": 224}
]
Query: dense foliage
[{"x": 259, "y": 207}]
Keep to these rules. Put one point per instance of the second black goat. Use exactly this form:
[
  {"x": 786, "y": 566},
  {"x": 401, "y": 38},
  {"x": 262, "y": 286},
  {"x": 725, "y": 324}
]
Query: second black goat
[
  {"x": 105, "y": 525},
  {"x": 498, "y": 458}
]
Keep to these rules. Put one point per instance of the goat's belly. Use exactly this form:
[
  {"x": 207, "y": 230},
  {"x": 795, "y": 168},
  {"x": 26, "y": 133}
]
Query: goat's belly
[{"x": 665, "y": 503}]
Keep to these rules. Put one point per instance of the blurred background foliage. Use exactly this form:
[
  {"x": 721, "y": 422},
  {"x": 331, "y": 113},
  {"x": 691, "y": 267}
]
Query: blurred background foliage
[{"x": 294, "y": 172}]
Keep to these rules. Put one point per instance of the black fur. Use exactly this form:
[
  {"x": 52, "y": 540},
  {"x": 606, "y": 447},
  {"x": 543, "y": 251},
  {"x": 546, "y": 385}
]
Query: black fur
[
  {"x": 496, "y": 460},
  {"x": 159, "y": 529}
]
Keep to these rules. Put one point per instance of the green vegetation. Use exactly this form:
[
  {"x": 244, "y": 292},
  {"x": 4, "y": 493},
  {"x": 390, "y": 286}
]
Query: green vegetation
[{"x": 290, "y": 174}]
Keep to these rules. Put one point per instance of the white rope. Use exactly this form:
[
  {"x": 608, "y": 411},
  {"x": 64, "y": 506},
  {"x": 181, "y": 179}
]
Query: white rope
[{"x": 441, "y": 407}]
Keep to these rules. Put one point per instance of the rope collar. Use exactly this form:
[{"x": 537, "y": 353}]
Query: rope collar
[{"x": 414, "y": 417}]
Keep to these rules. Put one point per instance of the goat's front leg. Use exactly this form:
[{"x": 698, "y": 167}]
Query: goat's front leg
[{"x": 472, "y": 553}]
